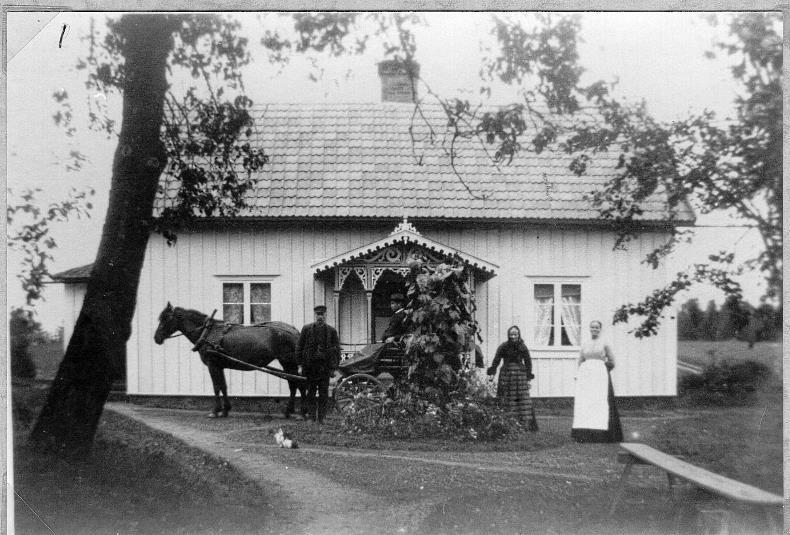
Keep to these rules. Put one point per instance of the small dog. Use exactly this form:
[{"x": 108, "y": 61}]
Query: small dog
[{"x": 284, "y": 440}]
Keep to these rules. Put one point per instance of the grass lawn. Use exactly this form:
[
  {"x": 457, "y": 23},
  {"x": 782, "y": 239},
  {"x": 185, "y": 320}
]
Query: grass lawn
[
  {"x": 136, "y": 481},
  {"x": 46, "y": 357},
  {"x": 139, "y": 481}
]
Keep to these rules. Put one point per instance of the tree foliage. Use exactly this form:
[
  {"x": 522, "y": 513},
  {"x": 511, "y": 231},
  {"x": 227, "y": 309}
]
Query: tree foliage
[
  {"x": 732, "y": 165},
  {"x": 734, "y": 319},
  {"x": 202, "y": 145},
  {"x": 134, "y": 58},
  {"x": 206, "y": 128},
  {"x": 29, "y": 232},
  {"x": 736, "y": 167}
]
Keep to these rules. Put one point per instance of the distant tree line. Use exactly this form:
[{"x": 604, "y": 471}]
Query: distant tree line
[{"x": 734, "y": 319}]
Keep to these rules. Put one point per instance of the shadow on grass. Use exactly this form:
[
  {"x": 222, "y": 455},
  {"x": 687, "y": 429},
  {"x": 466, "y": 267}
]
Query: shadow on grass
[{"x": 134, "y": 481}]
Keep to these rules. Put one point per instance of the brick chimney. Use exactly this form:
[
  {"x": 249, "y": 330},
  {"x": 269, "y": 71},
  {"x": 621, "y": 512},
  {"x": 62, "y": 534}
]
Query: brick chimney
[{"x": 396, "y": 85}]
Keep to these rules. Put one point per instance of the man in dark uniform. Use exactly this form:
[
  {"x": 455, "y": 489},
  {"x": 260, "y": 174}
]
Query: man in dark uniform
[
  {"x": 318, "y": 354},
  {"x": 397, "y": 325}
]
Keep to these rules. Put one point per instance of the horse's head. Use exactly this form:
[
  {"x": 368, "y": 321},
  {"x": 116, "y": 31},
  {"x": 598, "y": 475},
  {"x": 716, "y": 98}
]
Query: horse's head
[{"x": 168, "y": 324}]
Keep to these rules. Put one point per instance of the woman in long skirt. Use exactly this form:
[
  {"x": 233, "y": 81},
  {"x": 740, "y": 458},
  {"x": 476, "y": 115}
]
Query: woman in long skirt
[
  {"x": 514, "y": 378},
  {"x": 595, "y": 417}
]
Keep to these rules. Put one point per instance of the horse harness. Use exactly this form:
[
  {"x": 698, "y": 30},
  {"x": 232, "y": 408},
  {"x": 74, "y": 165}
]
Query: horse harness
[{"x": 219, "y": 350}]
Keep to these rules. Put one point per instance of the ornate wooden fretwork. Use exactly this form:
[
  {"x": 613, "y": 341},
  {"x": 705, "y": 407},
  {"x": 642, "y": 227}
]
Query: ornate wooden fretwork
[
  {"x": 394, "y": 258},
  {"x": 400, "y": 253},
  {"x": 404, "y": 226},
  {"x": 362, "y": 273},
  {"x": 342, "y": 273},
  {"x": 377, "y": 272}
]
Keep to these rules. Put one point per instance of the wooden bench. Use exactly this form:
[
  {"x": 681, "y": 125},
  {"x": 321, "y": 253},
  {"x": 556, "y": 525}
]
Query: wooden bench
[{"x": 635, "y": 453}]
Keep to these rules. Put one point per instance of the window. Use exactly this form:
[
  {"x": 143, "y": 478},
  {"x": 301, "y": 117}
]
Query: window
[
  {"x": 557, "y": 314},
  {"x": 246, "y": 302}
]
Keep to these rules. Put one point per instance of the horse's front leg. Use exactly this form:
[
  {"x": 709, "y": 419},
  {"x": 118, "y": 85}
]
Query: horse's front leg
[{"x": 220, "y": 388}]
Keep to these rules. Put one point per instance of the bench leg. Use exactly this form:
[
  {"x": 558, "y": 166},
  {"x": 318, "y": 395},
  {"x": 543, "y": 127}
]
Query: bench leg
[
  {"x": 621, "y": 488},
  {"x": 675, "y": 490},
  {"x": 714, "y": 521},
  {"x": 773, "y": 528}
]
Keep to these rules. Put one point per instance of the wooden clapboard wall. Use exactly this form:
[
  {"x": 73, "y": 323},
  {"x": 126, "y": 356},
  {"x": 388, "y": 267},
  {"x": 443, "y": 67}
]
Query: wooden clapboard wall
[{"x": 189, "y": 274}]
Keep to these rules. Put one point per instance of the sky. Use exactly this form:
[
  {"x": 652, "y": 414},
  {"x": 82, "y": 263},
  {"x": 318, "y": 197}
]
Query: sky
[{"x": 658, "y": 57}]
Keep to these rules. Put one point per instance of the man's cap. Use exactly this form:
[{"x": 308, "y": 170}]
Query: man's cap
[
  {"x": 397, "y": 297},
  {"x": 320, "y": 308}
]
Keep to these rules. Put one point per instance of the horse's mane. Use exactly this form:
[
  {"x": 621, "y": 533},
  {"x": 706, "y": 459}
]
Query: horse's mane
[
  {"x": 194, "y": 316},
  {"x": 198, "y": 318}
]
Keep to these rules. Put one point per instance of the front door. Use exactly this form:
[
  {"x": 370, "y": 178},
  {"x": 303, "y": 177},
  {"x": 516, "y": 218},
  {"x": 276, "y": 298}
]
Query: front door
[
  {"x": 389, "y": 283},
  {"x": 352, "y": 327}
]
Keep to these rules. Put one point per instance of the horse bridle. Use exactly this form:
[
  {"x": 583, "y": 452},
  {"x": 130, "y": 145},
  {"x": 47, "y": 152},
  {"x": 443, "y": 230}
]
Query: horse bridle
[{"x": 203, "y": 329}]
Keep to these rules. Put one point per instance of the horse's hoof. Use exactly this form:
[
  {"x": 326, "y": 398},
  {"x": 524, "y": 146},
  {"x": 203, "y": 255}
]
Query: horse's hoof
[
  {"x": 212, "y": 415},
  {"x": 223, "y": 414}
]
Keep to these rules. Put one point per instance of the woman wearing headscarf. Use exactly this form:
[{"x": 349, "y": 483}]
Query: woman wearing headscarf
[
  {"x": 595, "y": 417},
  {"x": 513, "y": 385}
]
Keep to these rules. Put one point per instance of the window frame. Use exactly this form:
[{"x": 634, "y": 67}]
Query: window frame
[
  {"x": 246, "y": 281},
  {"x": 557, "y": 282}
]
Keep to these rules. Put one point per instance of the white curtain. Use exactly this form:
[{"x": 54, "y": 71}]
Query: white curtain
[
  {"x": 571, "y": 318},
  {"x": 543, "y": 309}
]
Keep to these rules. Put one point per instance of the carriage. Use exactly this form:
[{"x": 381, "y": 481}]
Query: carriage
[
  {"x": 366, "y": 376},
  {"x": 369, "y": 373}
]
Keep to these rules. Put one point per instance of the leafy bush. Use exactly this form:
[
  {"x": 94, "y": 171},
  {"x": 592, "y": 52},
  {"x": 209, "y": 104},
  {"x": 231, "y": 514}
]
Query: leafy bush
[
  {"x": 442, "y": 397},
  {"x": 412, "y": 411},
  {"x": 23, "y": 329},
  {"x": 728, "y": 378},
  {"x": 442, "y": 328}
]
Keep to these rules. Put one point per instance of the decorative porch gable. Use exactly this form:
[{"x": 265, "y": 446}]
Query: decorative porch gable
[
  {"x": 378, "y": 266},
  {"x": 391, "y": 253}
]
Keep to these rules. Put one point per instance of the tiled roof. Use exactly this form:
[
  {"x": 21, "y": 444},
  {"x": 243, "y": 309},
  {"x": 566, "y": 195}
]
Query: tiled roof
[
  {"x": 361, "y": 161},
  {"x": 77, "y": 274}
]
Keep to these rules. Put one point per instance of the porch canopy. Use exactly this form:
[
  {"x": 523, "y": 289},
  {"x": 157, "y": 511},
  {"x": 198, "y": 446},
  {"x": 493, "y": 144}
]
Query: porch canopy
[
  {"x": 362, "y": 308},
  {"x": 391, "y": 253}
]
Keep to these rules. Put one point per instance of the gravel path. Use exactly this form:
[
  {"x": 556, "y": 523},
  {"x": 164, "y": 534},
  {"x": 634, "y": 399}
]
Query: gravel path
[
  {"x": 311, "y": 500},
  {"x": 326, "y": 490}
]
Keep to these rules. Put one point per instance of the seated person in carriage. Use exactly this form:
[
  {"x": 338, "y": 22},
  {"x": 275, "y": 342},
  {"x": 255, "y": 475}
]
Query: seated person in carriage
[{"x": 397, "y": 325}]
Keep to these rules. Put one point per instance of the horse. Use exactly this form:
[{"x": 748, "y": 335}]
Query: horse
[{"x": 256, "y": 345}]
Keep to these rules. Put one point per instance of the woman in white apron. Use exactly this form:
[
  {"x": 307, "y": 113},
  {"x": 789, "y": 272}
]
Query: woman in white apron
[{"x": 595, "y": 417}]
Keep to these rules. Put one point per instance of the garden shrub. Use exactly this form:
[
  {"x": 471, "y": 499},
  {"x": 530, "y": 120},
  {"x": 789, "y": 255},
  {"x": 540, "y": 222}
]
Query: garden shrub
[
  {"x": 410, "y": 411},
  {"x": 728, "y": 379},
  {"x": 22, "y": 329},
  {"x": 442, "y": 397}
]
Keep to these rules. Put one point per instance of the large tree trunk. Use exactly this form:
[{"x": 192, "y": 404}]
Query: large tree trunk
[{"x": 96, "y": 352}]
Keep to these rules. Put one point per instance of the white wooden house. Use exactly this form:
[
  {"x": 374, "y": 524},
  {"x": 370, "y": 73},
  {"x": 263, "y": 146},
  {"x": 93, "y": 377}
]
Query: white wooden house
[{"x": 325, "y": 224}]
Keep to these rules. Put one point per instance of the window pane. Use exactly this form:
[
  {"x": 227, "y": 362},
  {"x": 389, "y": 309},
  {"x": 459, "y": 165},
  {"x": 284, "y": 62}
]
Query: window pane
[
  {"x": 261, "y": 313},
  {"x": 260, "y": 292},
  {"x": 233, "y": 292},
  {"x": 233, "y": 313},
  {"x": 572, "y": 291},
  {"x": 570, "y": 314},
  {"x": 544, "y": 314},
  {"x": 544, "y": 292}
]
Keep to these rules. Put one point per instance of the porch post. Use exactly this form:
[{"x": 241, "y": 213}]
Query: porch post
[
  {"x": 369, "y": 317},
  {"x": 336, "y": 307}
]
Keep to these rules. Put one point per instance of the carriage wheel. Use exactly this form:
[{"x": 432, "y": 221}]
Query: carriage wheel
[{"x": 364, "y": 389}]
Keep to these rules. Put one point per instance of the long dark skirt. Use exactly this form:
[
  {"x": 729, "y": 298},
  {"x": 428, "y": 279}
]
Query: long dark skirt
[
  {"x": 614, "y": 432},
  {"x": 513, "y": 395}
]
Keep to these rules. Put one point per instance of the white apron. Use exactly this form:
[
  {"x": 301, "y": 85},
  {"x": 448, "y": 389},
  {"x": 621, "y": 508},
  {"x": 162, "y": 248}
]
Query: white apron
[{"x": 590, "y": 403}]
